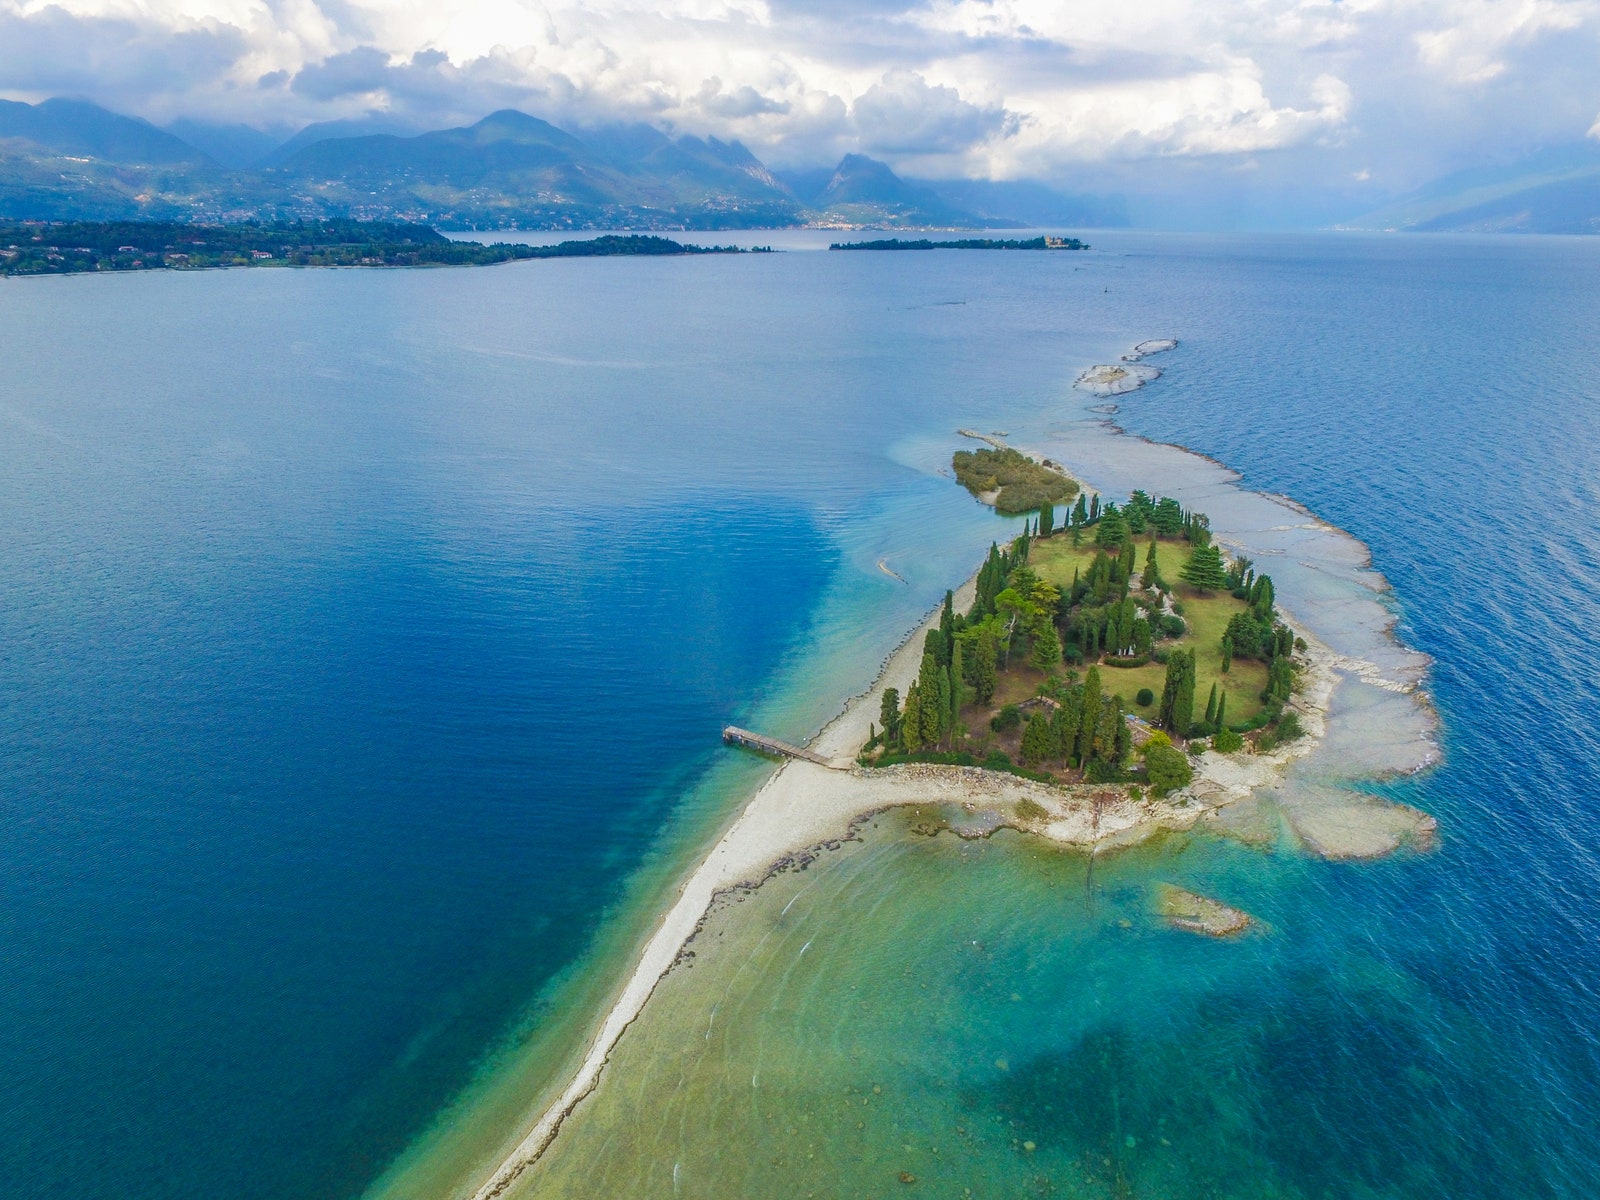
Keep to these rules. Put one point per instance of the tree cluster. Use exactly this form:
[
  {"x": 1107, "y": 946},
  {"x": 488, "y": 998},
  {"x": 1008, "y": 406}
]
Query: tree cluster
[{"x": 1083, "y": 727}]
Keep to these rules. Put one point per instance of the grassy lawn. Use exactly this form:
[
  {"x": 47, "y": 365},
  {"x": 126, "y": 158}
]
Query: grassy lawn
[{"x": 1206, "y": 615}]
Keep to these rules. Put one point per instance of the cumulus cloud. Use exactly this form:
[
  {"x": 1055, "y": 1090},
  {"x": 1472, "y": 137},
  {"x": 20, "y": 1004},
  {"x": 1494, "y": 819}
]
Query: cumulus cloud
[
  {"x": 904, "y": 114},
  {"x": 1005, "y": 88}
]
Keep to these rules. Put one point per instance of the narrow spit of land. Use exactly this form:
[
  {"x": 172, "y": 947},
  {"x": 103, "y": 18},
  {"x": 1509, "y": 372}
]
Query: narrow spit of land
[{"x": 76, "y": 247}]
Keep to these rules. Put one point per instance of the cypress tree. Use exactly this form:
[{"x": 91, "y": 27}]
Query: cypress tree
[
  {"x": 931, "y": 681},
  {"x": 1080, "y": 511},
  {"x": 985, "y": 673},
  {"x": 1094, "y": 507},
  {"x": 1038, "y": 743},
  {"x": 1177, "y": 693},
  {"x": 1123, "y": 743},
  {"x": 1065, "y": 723},
  {"x": 1047, "y": 519},
  {"x": 1151, "y": 571},
  {"x": 957, "y": 688},
  {"x": 1105, "y": 732},
  {"x": 911, "y": 721},
  {"x": 1183, "y": 706},
  {"x": 947, "y": 627},
  {"x": 1222, "y": 711},
  {"x": 1227, "y": 653},
  {"x": 1090, "y": 716},
  {"x": 1211, "y": 706},
  {"x": 1128, "y": 558},
  {"x": 945, "y": 726},
  {"x": 889, "y": 714}
]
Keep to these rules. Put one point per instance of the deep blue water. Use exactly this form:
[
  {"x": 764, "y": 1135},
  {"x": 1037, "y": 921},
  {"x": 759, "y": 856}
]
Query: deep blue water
[{"x": 361, "y": 634}]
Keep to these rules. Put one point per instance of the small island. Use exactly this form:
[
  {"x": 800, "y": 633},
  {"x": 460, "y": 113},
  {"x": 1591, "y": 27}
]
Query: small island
[
  {"x": 75, "y": 247},
  {"x": 1010, "y": 480},
  {"x": 1095, "y": 651},
  {"x": 1039, "y": 243}
]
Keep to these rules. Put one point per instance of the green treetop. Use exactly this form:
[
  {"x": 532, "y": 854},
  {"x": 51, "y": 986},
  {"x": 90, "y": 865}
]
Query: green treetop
[{"x": 1205, "y": 571}]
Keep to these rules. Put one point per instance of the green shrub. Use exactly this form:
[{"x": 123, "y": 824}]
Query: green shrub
[
  {"x": 1287, "y": 729},
  {"x": 1130, "y": 660},
  {"x": 1167, "y": 769},
  {"x": 1144, "y": 698},
  {"x": 1227, "y": 742},
  {"x": 1007, "y": 719}
]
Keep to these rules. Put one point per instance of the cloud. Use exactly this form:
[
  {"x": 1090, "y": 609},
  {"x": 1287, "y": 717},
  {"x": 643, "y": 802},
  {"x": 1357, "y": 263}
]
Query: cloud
[
  {"x": 741, "y": 102},
  {"x": 904, "y": 114},
  {"x": 1299, "y": 89}
]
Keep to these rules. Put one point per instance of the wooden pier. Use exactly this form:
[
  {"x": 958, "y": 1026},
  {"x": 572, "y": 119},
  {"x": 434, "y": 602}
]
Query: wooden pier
[{"x": 735, "y": 736}]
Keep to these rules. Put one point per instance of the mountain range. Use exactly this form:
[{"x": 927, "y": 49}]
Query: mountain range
[
  {"x": 72, "y": 160},
  {"x": 1554, "y": 191}
]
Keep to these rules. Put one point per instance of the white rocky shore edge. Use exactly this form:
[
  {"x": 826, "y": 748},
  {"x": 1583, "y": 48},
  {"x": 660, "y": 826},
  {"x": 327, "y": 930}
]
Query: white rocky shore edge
[{"x": 804, "y": 805}]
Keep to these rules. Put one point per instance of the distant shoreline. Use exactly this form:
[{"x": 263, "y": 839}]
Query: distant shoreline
[{"x": 31, "y": 248}]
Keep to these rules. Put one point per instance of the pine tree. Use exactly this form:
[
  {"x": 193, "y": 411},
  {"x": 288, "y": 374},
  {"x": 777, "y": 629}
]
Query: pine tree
[
  {"x": 1211, "y": 706},
  {"x": 1204, "y": 570},
  {"x": 1113, "y": 530},
  {"x": 1046, "y": 651}
]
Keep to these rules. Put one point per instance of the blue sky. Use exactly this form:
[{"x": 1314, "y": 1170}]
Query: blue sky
[{"x": 1290, "y": 103}]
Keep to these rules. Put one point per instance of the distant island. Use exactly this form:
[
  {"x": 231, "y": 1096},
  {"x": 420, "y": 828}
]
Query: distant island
[
  {"x": 1039, "y": 243},
  {"x": 73, "y": 247}
]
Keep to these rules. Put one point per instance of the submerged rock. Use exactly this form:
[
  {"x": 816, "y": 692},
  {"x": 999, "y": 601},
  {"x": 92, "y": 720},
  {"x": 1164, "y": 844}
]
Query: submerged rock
[
  {"x": 1109, "y": 379},
  {"x": 1200, "y": 914}
]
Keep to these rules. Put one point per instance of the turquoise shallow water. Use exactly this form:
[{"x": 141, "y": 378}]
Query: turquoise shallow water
[{"x": 305, "y": 576}]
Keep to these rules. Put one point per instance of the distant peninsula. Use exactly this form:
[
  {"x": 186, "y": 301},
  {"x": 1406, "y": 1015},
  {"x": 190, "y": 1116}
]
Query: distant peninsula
[
  {"x": 74, "y": 247},
  {"x": 1039, "y": 243}
]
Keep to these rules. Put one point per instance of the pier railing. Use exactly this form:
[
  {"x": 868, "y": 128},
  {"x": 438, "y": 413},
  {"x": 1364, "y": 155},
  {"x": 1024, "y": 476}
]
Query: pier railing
[{"x": 735, "y": 736}]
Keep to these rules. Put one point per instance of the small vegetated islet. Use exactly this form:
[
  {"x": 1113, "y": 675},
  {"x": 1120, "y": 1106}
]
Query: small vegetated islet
[{"x": 1023, "y": 485}]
